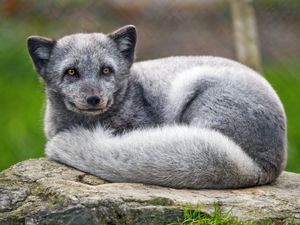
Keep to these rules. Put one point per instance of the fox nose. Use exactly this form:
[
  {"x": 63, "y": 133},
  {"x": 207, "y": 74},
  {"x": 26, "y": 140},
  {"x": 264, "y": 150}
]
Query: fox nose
[{"x": 93, "y": 100}]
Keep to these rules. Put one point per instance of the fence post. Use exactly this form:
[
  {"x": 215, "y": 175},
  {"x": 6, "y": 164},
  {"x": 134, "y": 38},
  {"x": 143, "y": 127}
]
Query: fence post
[{"x": 245, "y": 33}]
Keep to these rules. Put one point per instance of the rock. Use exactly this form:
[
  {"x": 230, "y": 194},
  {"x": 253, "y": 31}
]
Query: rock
[{"x": 41, "y": 191}]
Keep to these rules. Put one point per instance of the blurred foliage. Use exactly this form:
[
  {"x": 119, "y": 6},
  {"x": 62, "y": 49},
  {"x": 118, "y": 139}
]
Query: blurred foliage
[
  {"x": 21, "y": 93},
  {"x": 21, "y": 99},
  {"x": 285, "y": 78},
  {"x": 286, "y": 5}
]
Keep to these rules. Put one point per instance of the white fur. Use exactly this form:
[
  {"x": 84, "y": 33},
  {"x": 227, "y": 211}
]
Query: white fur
[
  {"x": 164, "y": 154},
  {"x": 125, "y": 44},
  {"x": 43, "y": 53}
]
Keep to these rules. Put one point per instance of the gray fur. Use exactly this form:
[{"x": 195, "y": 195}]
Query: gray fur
[{"x": 183, "y": 122}]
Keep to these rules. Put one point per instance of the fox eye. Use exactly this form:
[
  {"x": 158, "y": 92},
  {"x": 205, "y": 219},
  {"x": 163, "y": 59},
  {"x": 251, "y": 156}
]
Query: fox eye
[
  {"x": 105, "y": 71},
  {"x": 71, "y": 72}
]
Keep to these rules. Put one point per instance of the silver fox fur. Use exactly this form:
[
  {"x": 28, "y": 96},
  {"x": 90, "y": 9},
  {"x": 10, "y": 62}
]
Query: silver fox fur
[{"x": 181, "y": 122}]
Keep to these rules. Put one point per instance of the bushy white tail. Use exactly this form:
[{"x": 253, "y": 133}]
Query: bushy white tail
[{"x": 173, "y": 156}]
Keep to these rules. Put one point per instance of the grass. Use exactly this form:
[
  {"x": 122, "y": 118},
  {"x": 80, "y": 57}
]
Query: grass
[
  {"x": 194, "y": 216},
  {"x": 21, "y": 98}
]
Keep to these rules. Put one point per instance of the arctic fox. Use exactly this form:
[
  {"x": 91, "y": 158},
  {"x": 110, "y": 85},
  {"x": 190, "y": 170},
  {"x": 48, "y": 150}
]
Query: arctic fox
[{"x": 181, "y": 122}]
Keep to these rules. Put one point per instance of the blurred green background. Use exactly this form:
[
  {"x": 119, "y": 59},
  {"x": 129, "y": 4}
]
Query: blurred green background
[{"x": 195, "y": 27}]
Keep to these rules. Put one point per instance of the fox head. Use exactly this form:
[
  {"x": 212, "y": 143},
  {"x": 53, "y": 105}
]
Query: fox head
[{"x": 85, "y": 71}]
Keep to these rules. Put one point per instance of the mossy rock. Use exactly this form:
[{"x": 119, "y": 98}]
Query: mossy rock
[{"x": 41, "y": 191}]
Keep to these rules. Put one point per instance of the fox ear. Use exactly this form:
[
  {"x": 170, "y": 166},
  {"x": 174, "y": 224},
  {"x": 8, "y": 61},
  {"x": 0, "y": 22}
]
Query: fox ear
[
  {"x": 40, "y": 50},
  {"x": 125, "y": 38}
]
